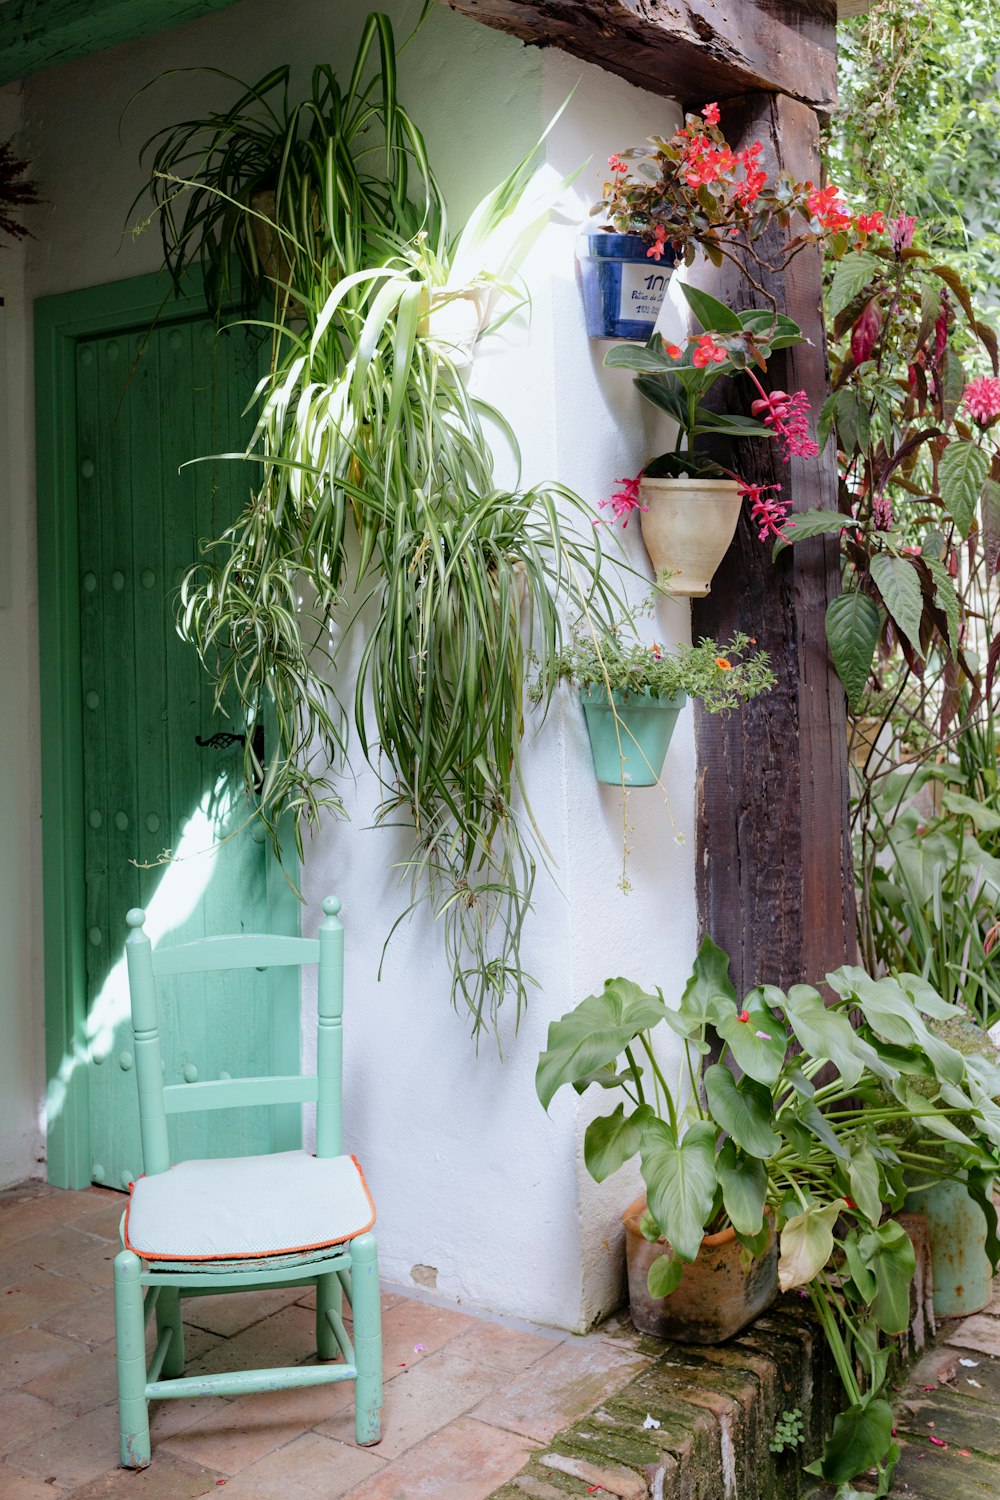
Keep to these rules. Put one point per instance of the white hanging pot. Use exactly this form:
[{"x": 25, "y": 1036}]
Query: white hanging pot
[
  {"x": 687, "y": 525},
  {"x": 457, "y": 321}
]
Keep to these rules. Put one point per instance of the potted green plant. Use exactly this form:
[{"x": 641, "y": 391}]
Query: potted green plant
[
  {"x": 688, "y": 503},
  {"x": 672, "y": 196},
  {"x": 632, "y": 694},
  {"x": 817, "y": 1135}
]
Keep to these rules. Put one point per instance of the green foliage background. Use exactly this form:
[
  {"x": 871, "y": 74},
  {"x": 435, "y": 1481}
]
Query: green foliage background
[{"x": 918, "y": 124}]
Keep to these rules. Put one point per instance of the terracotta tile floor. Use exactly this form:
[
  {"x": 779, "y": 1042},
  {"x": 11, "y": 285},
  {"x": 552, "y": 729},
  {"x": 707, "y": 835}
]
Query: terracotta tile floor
[{"x": 466, "y": 1398}]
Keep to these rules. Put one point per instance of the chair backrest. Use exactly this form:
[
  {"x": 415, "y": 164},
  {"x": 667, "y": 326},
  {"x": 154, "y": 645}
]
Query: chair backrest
[{"x": 157, "y": 1100}]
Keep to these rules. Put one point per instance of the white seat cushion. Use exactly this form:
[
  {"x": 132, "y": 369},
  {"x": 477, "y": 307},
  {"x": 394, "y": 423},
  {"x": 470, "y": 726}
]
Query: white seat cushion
[{"x": 248, "y": 1206}]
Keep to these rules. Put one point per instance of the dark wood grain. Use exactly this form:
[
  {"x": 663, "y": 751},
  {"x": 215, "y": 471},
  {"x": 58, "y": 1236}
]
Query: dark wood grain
[
  {"x": 775, "y": 877},
  {"x": 692, "y": 50}
]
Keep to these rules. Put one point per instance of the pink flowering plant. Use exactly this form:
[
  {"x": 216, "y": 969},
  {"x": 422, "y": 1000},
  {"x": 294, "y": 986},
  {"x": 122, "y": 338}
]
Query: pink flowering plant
[
  {"x": 915, "y": 423},
  {"x": 678, "y": 379},
  {"x": 691, "y": 190}
]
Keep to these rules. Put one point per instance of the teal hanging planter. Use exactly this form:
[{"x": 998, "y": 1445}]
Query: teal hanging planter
[
  {"x": 644, "y": 728},
  {"x": 956, "y": 1228}
]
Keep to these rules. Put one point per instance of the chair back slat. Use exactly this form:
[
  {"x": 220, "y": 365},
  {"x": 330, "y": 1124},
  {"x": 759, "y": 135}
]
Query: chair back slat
[
  {"x": 157, "y": 1100},
  {"x": 235, "y": 1093},
  {"x": 254, "y": 950}
]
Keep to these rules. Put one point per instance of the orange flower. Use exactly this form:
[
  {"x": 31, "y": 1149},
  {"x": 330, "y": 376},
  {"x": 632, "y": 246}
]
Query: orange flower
[{"x": 723, "y": 665}]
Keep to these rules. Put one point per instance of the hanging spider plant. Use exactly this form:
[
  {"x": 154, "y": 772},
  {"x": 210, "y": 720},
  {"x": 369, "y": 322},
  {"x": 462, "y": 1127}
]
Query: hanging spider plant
[
  {"x": 310, "y": 185},
  {"x": 377, "y": 484}
]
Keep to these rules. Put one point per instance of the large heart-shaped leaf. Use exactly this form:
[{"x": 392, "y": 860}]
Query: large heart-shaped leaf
[
  {"x": 892, "y": 1014},
  {"x": 743, "y": 1110},
  {"x": 709, "y": 993},
  {"x": 861, "y": 1437},
  {"x": 852, "y": 629},
  {"x": 861, "y": 1274},
  {"x": 981, "y": 1184},
  {"x": 888, "y": 1253},
  {"x": 806, "y": 1244},
  {"x": 680, "y": 1182},
  {"x": 611, "y": 1139},
  {"x": 862, "y": 1174},
  {"x": 743, "y": 1180},
  {"x": 822, "y": 1032},
  {"x": 961, "y": 475},
  {"x": 923, "y": 994},
  {"x": 664, "y": 1276},
  {"x": 759, "y": 1042},
  {"x": 896, "y": 580},
  {"x": 594, "y": 1034}
]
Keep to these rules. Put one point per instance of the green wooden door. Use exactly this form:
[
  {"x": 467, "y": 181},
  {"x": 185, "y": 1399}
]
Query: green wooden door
[{"x": 166, "y": 819}]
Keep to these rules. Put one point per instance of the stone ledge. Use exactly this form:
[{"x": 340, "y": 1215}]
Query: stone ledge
[{"x": 697, "y": 1423}]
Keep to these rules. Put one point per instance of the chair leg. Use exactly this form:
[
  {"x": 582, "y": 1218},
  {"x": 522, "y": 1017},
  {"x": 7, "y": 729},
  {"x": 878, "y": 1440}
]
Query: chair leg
[
  {"x": 130, "y": 1345},
  {"x": 367, "y": 1340},
  {"x": 328, "y": 1295},
  {"x": 168, "y": 1315}
]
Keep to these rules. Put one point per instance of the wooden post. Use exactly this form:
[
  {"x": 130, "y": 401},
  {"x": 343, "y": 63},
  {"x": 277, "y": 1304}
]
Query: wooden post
[{"x": 775, "y": 872}]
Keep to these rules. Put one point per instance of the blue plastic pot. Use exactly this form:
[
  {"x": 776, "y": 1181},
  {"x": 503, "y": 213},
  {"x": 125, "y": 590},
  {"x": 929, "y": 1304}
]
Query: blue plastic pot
[
  {"x": 623, "y": 289},
  {"x": 645, "y": 728}
]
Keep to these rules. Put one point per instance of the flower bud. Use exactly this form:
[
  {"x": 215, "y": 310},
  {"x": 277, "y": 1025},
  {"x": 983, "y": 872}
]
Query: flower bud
[{"x": 864, "y": 334}]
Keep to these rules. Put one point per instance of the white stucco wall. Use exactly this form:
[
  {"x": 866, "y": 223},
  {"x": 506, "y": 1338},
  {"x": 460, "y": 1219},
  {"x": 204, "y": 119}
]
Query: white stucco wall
[
  {"x": 470, "y": 1176},
  {"x": 21, "y": 1037}
]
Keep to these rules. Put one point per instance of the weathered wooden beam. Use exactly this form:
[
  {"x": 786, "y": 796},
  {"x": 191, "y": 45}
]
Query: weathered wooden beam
[
  {"x": 774, "y": 866},
  {"x": 690, "y": 50},
  {"x": 37, "y": 34}
]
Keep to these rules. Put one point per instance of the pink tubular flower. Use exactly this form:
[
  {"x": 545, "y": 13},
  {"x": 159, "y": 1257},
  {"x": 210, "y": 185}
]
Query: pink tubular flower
[
  {"x": 658, "y": 246},
  {"x": 767, "y": 512},
  {"x": 901, "y": 232},
  {"x": 982, "y": 399},
  {"x": 707, "y": 352},
  {"x": 881, "y": 513},
  {"x": 710, "y": 114},
  {"x": 787, "y": 418},
  {"x": 624, "y": 501}
]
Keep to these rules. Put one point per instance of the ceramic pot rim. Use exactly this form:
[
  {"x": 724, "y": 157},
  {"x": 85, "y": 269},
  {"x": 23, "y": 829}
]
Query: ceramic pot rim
[
  {"x": 671, "y": 482},
  {"x": 635, "y": 1211}
]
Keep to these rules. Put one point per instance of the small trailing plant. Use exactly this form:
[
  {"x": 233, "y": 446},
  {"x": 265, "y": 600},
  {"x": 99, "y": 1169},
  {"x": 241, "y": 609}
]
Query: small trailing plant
[
  {"x": 677, "y": 381},
  {"x": 836, "y": 1104},
  {"x": 789, "y": 1432},
  {"x": 721, "y": 678}
]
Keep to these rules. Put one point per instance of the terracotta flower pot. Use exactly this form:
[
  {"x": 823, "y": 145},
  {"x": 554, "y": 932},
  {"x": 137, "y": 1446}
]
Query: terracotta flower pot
[
  {"x": 716, "y": 1298},
  {"x": 687, "y": 525}
]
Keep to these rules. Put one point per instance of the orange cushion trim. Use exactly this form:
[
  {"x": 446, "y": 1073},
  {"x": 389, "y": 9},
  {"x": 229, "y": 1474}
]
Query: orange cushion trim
[{"x": 257, "y": 1254}]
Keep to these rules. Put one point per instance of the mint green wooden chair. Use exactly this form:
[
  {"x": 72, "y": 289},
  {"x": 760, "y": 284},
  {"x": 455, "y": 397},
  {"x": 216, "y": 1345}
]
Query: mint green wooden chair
[{"x": 204, "y": 1227}]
